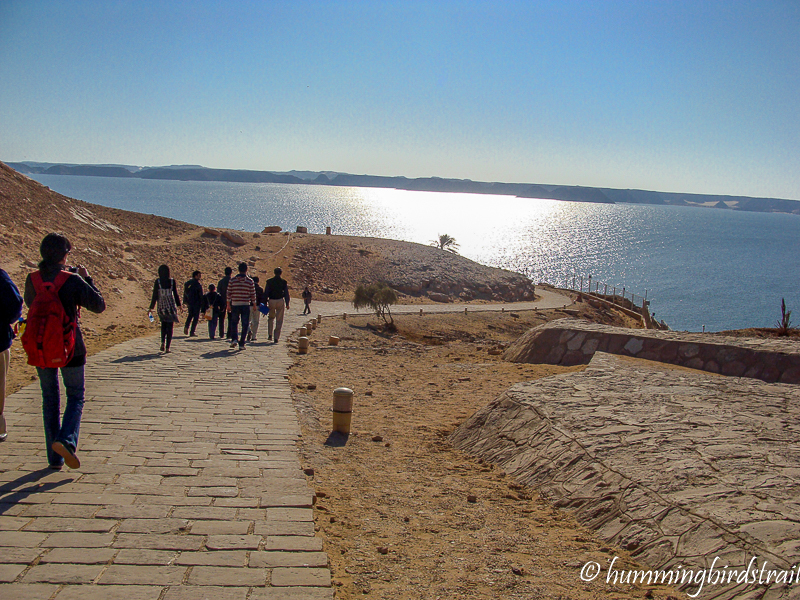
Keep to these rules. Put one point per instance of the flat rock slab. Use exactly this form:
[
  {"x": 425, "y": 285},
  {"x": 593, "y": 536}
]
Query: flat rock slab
[{"x": 675, "y": 466}]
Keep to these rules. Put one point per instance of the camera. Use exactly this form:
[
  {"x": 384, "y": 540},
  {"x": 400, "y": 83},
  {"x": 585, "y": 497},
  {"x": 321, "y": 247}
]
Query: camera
[{"x": 72, "y": 269}]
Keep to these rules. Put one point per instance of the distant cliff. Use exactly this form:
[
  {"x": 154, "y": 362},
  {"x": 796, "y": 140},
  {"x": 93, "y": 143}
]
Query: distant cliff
[{"x": 569, "y": 193}]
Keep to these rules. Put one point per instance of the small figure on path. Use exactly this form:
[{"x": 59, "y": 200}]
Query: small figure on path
[
  {"x": 193, "y": 297},
  {"x": 213, "y": 301},
  {"x": 277, "y": 292},
  {"x": 241, "y": 296},
  {"x": 45, "y": 289},
  {"x": 10, "y": 312},
  {"x": 255, "y": 315},
  {"x": 222, "y": 290},
  {"x": 165, "y": 294},
  {"x": 307, "y": 301}
]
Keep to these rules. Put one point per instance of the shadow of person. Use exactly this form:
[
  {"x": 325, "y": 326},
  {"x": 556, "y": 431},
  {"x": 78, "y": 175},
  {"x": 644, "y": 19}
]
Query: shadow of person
[
  {"x": 217, "y": 354},
  {"x": 136, "y": 358},
  {"x": 11, "y": 492}
]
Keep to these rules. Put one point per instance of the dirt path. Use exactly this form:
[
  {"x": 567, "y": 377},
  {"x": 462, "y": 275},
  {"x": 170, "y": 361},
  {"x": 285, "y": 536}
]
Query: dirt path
[{"x": 403, "y": 514}]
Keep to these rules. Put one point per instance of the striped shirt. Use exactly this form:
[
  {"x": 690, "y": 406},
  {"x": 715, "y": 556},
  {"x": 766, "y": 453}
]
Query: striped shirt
[{"x": 241, "y": 291}]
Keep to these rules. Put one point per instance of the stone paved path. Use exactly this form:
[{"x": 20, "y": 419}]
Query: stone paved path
[{"x": 190, "y": 485}]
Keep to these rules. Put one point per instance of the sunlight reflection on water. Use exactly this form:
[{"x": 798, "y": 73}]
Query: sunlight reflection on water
[{"x": 719, "y": 268}]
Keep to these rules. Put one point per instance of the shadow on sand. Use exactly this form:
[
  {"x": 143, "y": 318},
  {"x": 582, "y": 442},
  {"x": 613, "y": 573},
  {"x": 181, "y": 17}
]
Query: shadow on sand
[{"x": 337, "y": 439}]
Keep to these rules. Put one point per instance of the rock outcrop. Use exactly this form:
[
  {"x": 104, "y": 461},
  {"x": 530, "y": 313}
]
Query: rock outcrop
[{"x": 412, "y": 269}]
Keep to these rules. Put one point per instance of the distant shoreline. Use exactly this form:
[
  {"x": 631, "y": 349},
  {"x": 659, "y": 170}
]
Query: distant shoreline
[{"x": 428, "y": 184}]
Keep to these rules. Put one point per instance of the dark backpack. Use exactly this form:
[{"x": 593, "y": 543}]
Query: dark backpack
[{"x": 49, "y": 337}]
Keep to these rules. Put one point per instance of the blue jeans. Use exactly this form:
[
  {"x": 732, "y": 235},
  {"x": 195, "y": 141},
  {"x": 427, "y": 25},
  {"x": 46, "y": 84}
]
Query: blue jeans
[
  {"x": 57, "y": 429},
  {"x": 238, "y": 312}
]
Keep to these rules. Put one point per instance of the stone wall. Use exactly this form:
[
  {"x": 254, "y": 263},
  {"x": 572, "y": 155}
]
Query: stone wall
[
  {"x": 676, "y": 467},
  {"x": 574, "y": 342}
]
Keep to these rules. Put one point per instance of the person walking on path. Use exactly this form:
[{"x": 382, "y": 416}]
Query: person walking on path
[
  {"x": 165, "y": 294},
  {"x": 213, "y": 301},
  {"x": 222, "y": 290},
  {"x": 193, "y": 297},
  {"x": 255, "y": 315},
  {"x": 10, "y": 312},
  {"x": 307, "y": 301},
  {"x": 241, "y": 296},
  {"x": 277, "y": 292},
  {"x": 76, "y": 290}
]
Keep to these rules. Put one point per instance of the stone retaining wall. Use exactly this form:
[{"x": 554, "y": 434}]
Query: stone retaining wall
[
  {"x": 676, "y": 467},
  {"x": 574, "y": 342}
]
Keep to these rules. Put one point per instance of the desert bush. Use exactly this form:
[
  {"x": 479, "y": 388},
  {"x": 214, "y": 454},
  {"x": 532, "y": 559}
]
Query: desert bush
[
  {"x": 785, "y": 322},
  {"x": 378, "y": 297}
]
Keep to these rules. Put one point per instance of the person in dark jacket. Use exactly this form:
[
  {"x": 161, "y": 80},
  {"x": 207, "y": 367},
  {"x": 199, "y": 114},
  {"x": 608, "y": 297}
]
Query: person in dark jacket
[
  {"x": 165, "y": 294},
  {"x": 61, "y": 435},
  {"x": 222, "y": 290},
  {"x": 193, "y": 297},
  {"x": 277, "y": 293},
  {"x": 10, "y": 312},
  {"x": 307, "y": 301},
  {"x": 212, "y": 300}
]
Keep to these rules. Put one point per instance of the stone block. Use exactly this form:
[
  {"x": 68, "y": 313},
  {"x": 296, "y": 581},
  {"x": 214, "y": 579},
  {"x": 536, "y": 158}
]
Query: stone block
[{"x": 300, "y": 576}]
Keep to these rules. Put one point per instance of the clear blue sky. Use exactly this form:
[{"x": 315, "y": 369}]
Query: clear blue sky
[{"x": 673, "y": 95}]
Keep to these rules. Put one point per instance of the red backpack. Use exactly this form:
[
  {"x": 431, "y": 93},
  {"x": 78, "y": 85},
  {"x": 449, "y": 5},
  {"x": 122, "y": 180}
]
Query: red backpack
[{"x": 49, "y": 337}]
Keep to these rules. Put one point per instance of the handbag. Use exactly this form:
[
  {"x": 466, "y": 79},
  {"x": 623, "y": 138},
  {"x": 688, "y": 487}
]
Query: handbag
[{"x": 167, "y": 309}]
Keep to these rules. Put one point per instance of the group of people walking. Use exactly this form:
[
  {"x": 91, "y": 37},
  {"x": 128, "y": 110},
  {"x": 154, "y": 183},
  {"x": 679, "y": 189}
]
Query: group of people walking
[
  {"x": 55, "y": 295},
  {"x": 236, "y": 301}
]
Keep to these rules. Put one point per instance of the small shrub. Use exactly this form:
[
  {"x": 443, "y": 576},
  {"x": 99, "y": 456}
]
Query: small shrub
[
  {"x": 378, "y": 297},
  {"x": 785, "y": 323}
]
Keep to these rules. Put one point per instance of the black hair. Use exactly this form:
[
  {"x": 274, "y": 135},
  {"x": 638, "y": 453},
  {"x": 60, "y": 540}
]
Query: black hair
[
  {"x": 242, "y": 267},
  {"x": 54, "y": 248},
  {"x": 228, "y": 270},
  {"x": 254, "y": 278},
  {"x": 163, "y": 276},
  {"x": 278, "y": 271},
  {"x": 212, "y": 287},
  {"x": 195, "y": 274}
]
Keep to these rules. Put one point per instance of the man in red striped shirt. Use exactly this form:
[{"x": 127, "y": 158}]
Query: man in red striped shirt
[{"x": 241, "y": 296}]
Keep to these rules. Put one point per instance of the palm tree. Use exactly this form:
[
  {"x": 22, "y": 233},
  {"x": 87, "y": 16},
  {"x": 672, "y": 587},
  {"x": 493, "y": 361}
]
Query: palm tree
[{"x": 445, "y": 242}]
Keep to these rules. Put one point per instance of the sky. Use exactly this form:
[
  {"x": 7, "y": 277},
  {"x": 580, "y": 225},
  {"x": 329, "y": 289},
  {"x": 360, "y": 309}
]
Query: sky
[{"x": 683, "y": 96}]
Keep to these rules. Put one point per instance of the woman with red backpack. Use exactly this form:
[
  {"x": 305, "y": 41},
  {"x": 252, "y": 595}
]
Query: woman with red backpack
[{"x": 53, "y": 342}]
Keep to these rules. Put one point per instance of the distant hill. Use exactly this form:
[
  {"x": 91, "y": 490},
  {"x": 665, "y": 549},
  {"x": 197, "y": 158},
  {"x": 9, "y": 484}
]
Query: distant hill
[
  {"x": 91, "y": 170},
  {"x": 572, "y": 193},
  {"x": 203, "y": 174},
  {"x": 431, "y": 184}
]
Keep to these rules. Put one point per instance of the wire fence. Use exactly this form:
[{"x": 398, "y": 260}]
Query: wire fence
[{"x": 617, "y": 294}]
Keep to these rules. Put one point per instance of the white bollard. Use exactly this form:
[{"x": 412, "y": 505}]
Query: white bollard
[{"x": 342, "y": 409}]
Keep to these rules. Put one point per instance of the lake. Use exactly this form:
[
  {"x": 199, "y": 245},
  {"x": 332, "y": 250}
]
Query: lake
[{"x": 721, "y": 269}]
